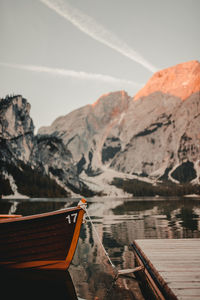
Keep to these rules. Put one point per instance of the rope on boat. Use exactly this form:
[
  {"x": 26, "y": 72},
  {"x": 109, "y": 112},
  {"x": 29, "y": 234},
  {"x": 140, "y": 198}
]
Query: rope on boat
[
  {"x": 97, "y": 235},
  {"x": 83, "y": 205}
]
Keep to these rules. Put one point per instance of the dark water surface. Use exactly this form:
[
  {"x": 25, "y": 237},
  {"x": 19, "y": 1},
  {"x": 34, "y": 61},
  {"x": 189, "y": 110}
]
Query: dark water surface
[{"x": 118, "y": 222}]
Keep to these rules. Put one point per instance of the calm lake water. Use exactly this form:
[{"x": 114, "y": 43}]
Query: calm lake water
[{"x": 118, "y": 222}]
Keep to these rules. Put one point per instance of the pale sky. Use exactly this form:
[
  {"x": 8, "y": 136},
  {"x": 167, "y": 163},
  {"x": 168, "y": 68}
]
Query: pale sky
[{"x": 63, "y": 54}]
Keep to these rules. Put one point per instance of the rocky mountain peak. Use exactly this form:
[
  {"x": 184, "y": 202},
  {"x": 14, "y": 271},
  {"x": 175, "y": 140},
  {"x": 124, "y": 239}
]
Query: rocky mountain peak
[
  {"x": 16, "y": 126},
  {"x": 180, "y": 81},
  {"x": 15, "y": 117},
  {"x": 154, "y": 140},
  {"x": 122, "y": 95},
  {"x": 84, "y": 130},
  {"x": 111, "y": 104}
]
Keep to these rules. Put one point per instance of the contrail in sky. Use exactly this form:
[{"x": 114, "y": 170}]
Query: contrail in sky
[
  {"x": 71, "y": 73},
  {"x": 96, "y": 31}
]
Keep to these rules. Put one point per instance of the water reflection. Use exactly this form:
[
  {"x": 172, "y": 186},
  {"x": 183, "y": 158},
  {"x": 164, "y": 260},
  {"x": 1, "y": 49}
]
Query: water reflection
[
  {"x": 36, "y": 284},
  {"x": 164, "y": 218},
  {"x": 118, "y": 222}
]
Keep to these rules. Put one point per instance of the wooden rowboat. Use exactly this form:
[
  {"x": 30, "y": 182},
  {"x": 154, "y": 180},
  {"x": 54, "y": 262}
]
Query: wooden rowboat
[{"x": 43, "y": 241}]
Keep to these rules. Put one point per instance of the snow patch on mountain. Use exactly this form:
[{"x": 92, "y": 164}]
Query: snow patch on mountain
[
  {"x": 16, "y": 194},
  {"x": 153, "y": 139}
]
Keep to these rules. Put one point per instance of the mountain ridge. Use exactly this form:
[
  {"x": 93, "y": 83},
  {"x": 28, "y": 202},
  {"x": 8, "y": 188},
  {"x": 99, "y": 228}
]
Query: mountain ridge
[
  {"x": 153, "y": 137},
  {"x": 181, "y": 81}
]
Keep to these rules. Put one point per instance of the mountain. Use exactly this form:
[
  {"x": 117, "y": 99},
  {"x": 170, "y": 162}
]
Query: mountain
[
  {"x": 85, "y": 130},
  {"x": 150, "y": 142},
  {"x": 181, "y": 81},
  {"x": 164, "y": 135},
  {"x": 32, "y": 165}
]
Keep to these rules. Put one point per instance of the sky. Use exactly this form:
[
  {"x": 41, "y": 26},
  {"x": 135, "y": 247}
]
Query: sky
[{"x": 63, "y": 54}]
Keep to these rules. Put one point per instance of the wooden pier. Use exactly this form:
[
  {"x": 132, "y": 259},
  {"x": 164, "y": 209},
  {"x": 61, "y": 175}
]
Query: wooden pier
[{"x": 171, "y": 267}]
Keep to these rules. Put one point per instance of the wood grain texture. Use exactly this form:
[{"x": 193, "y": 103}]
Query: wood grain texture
[
  {"x": 40, "y": 240},
  {"x": 177, "y": 263}
]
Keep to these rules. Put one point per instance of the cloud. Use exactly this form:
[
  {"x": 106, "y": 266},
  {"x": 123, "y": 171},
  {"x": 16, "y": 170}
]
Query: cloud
[
  {"x": 71, "y": 73},
  {"x": 96, "y": 31}
]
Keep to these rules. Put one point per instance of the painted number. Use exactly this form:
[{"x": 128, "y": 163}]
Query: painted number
[{"x": 71, "y": 218}]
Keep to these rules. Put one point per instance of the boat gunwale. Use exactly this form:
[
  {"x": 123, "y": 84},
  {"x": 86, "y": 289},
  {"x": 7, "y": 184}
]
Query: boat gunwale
[{"x": 41, "y": 215}]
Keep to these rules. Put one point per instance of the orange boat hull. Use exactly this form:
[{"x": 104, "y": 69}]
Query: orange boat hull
[{"x": 45, "y": 241}]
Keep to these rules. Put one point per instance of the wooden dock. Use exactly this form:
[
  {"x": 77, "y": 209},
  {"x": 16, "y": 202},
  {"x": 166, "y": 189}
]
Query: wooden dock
[{"x": 171, "y": 267}]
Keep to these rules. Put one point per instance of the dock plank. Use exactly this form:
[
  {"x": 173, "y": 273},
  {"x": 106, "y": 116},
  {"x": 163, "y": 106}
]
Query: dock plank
[{"x": 177, "y": 264}]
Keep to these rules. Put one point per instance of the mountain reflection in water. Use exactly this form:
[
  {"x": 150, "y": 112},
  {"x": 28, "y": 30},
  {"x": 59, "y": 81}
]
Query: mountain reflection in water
[{"x": 118, "y": 222}]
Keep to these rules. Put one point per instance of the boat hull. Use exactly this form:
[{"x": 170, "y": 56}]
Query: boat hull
[{"x": 45, "y": 241}]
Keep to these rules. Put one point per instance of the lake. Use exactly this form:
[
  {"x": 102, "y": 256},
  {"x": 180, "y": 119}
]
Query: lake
[{"x": 118, "y": 222}]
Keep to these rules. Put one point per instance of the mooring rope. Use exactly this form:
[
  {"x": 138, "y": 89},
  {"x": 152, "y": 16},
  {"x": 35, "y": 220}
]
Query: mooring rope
[
  {"x": 83, "y": 206},
  {"x": 97, "y": 235}
]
